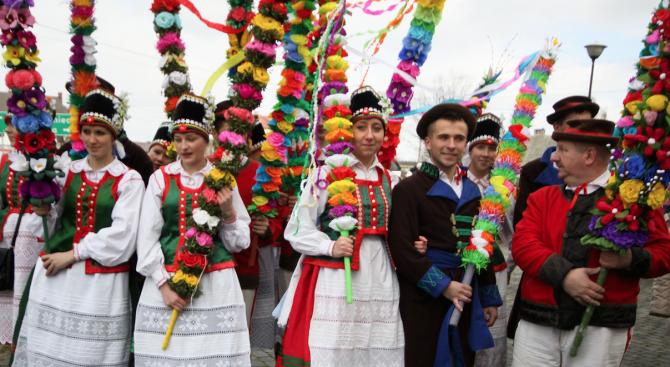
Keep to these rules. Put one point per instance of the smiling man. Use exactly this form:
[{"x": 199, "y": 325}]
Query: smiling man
[{"x": 440, "y": 203}]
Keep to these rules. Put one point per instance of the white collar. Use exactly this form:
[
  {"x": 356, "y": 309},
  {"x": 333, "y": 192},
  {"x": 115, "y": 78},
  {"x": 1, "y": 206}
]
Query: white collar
[
  {"x": 444, "y": 175},
  {"x": 360, "y": 164},
  {"x": 116, "y": 168},
  {"x": 175, "y": 168},
  {"x": 599, "y": 182},
  {"x": 474, "y": 179}
]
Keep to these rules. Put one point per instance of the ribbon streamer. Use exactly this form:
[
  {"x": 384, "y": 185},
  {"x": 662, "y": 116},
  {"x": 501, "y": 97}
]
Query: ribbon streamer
[
  {"x": 219, "y": 27},
  {"x": 238, "y": 58},
  {"x": 366, "y": 7}
]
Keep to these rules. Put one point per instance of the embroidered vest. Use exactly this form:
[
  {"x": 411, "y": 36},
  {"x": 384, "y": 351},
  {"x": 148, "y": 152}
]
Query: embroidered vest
[
  {"x": 374, "y": 207},
  {"x": 88, "y": 209},
  {"x": 10, "y": 181},
  {"x": 182, "y": 200}
]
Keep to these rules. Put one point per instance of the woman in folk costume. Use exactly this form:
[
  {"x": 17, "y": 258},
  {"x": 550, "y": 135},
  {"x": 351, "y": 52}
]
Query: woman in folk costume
[
  {"x": 27, "y": 247},
  {"x": 159, "y": 151},
  {"x": 78, "y": 309},
  {"x": 210, "y": 329},
  {"x": 323, "y": 329}
]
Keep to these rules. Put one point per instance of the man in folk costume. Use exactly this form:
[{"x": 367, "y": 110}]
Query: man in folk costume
[
  {"x": 254, "y": 265},
  {"x": 560, "y": 271},
  {"x": 541, "y": 172},
  {"x": 440, "y": 193}
]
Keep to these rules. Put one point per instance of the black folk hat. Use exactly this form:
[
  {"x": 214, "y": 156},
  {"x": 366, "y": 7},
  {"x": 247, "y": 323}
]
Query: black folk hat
[
  {"x": 257, "y": 136},
  {"x": 366, "y": 103},
  {"x": 571, "y": 104},
  {"x": 488, "y": 130},
  {"x": 446, "y": 109},
  {"x": 192, "y": 114},
  {"x": 592, "y": 131},
  {"x": 162, "y": 136},
  {"x": 103, "y": 108}
]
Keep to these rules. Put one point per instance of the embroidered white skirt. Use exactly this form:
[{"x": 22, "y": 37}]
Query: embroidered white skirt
[{"x": 210, "y": 332}]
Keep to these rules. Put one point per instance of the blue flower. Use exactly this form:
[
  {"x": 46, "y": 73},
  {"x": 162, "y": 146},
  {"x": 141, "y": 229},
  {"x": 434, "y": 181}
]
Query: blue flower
[
  {"x": 164, "y": 19},
  {"x": 634, "y": 166},
  {"x": 295, "y": 57},
  {"x": 406, "y": 54},
  {"x": 28, "y": 124},
  {"x": 177, "y": 21},
  {"x": 287, "y": 109},
  {"x": 263, "y": 177},
  {"x": 618, "y": 132},
  {"x": 421, "y": 34},
  {"x": 45, "y": 120},
  {"x": 411, "y": 43},
  {"x": 287, "y": 141},
  {"x": 631, "y": 130}
]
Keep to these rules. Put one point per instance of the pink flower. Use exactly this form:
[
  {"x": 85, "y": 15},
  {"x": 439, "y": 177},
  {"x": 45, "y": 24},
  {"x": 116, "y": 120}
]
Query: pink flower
[
  {"x": 170, "y": 39},
  {"x": 26, "y": 39},
  {"x": 78, "y": 146},
  {"x": 231, "y": 137},
  {"x": 210, "y": 196},
  {"x": 399, "y": 79},
  {"x": 276, "y": 139},
  {"x": 204, "y": 239},
  {"x": 257, "y": 96},
  {"x": 258, "y": 46},
  {"x": 409, "y": 67},
  {"x": 245, "y": 90},
  {"x": 240, "y": 113},
  {"x": 650, "y": 117},
  {"x": 9, "y": 79},
  {"x": 7, "y": 36},
  {"x": 191, "y": 232},
  {"x": 8, "y": 18},
  {"x": 299, "y": 77},
  {"x": 625, "y": 121},
  {"x": 653, "y": 38},
  {"x": 25, "y": 18}
]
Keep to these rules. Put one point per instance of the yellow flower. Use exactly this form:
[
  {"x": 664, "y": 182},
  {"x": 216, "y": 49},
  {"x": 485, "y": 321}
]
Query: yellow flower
[
  {"x": 341, "y": 186},
  {"x": 337, "y": 123},
  {"x": 271, "y": 155},
  {"x": 246, "y": 67},
  {"x": 260, "y": 200},
  {"x": 632, "y": 106},
  {"x": 610, "y": 193},
  {"x": 498, "y": 183},
  {"x": 268, "y": 24},
  {"x": 192, "y": 280},
  {"x": 439, "y": 4},
  {"x": 336, "y": 62},
  {"x": 14, "y": 54},
  {"x": 261, "y": 75},
  {"x": 656, "y": 196},
  {"x": 285, "y": 127},
  {"x": 231, "y": 180},
  {"x": 630, "y": 192},
  {"x": 84, "y": 3},
  {"x": 179, "y": 275},
  {"x": 33, "y": 56},
  {"x": 299, "y": 39},
  {"x": 327, "y": 7},
  {"x": 216, "y": 175},
  {"x": 657, "y": 102}
]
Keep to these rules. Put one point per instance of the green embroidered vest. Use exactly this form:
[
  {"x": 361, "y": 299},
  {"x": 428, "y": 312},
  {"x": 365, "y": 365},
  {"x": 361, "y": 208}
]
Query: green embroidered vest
[
  {"x": 87, "y": 209},
  {"x": 10, "y": 181},
  {"x": 178, "y": 204},
  {"x": 374, "y": 208}
]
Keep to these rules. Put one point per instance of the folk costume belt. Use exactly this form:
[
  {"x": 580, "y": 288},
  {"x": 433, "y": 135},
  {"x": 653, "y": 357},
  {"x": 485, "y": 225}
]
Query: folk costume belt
[{"x": 479, "y": 336}]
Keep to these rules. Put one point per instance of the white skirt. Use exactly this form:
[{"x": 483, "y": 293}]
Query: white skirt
[
  {"x": 76, "y": 319},
  {"x": 210, "y": 332},
  {"x": 26, "y": 252},
  {"x": 369, "y": 331}
]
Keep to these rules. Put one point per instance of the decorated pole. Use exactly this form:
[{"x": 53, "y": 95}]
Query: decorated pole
[
  {"x": 28, "y": 103},
  {"x": 641, "y": 166},
  {"x": 505, "y": 173}
]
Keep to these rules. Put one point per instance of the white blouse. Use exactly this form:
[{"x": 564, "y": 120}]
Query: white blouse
[
  {"x": 150, "y": 259},
  {"x": 113, "y": 245},
  {"x": 309, "y": 239}
]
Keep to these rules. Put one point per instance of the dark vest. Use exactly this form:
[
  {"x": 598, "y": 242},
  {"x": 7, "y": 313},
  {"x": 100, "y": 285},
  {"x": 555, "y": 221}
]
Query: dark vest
[
  {"x": 374, "y": 206},
  {"x": 182, "y": 200},
  {"x": 10, "y": 181},
  {"x": 88, "y": 209}
]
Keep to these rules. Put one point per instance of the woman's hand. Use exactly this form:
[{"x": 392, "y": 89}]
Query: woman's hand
[
  {"x": 42, "y": 210},
  {"x": 172, "y": 299},
  {"x": 344, "y": 246},
  {"x": 55, "y": 262},
  {"x": 225, "y": 198},
  {"x": 261, "y": 226}
]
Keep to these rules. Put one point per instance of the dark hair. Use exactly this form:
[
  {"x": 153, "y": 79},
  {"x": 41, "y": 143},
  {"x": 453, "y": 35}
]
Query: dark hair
[
  {"x": 221, "y": 107},
  {"x": 579, "y": 111},
  {"x": 449, "y": 115}
]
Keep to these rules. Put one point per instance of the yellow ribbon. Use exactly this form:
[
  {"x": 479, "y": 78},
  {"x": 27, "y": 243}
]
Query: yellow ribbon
[{"x": 238, "y": 58}]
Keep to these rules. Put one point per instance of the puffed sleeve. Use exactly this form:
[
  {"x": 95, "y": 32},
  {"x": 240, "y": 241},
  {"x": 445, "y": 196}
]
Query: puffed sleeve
[
  {"x": 235, "y": 234},
  {"x": 33, "y": 221},
  {"x": 115, "y": 244},
  {"x": 150, "y": 258},
  {"x": 302, "y": 230}
]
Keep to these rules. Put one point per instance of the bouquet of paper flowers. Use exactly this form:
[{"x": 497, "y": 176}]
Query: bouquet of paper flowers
[{"x": 641, "y": 166}]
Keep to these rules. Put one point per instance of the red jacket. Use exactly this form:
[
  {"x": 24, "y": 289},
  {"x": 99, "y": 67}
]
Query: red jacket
[
  {"x": 546, "y": 247},
  {"x": 248, "y": 275}
]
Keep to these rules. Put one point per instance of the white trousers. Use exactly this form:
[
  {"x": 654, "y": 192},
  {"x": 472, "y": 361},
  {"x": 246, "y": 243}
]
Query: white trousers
[{"x": 536, "y": 345}]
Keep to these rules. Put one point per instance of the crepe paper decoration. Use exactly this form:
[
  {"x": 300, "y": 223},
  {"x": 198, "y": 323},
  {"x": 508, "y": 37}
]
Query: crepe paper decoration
[
  {"x": 366, "y": 7},
  {"x": 167, "y": 25},
  {"x": 34, "y": 140},
  {"x": 640, "y": 165},
  {"x": 230, "y": 63},
  {"x": 239, "y": 17},
  {"x": 505, "y": 171},
  {"x": 239, "y": 27},
  {"x": 83, "y": 65}
]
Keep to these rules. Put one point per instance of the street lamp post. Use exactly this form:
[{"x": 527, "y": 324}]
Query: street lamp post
[{"x": 594, "y": 50}]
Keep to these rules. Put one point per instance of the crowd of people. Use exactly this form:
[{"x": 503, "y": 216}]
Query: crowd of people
[{"x": 101, "y": 296}]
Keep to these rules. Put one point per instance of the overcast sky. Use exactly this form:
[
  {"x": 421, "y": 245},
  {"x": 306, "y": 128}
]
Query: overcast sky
[{"x": 465, "y": 40}]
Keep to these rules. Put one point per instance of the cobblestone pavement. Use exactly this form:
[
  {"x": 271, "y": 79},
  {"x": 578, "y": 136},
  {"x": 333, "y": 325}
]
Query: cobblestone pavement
[{"x": 650, "y": 343}]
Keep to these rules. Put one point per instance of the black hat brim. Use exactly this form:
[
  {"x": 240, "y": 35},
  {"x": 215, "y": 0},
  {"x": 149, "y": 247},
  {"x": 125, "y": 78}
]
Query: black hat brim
[
  {"x": 584, "y": 138},
  {"x": 440, "y": 110},
  {"x": 560, "y": 114}
]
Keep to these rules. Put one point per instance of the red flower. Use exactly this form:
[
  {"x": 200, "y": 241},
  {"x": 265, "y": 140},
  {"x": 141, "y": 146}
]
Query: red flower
[
  {"x": 218, "y": 154},
  {"x": 333, "y": 111},
  {"x": 516, "y": 133},
  {"x": 33, "y": 143},
  {"x": 18, "y": 142},
  {"x": 616, "y": 207},
  {"x": 210, "y": 196},
  {"x": 190, "y": 259},
  {"x": 48, "y": 137},
  {"x": 171, "y": 104},
  {"x": 250, "y": 16},
  {"x": 169, "y": 5},
  {"x": 278, "y": 116},
  {"x": 304, "y": 13},
  {"x": 264, "y": 208},
  {"x": 650, "y": 137},
  {"x": 632, "y": 97},
  {"x": 662, "y": 15},
  {"x": 337, "y": 50},
  {"x": 238, "y": 14},
  {"x": 340, "y": 173},
  {"x": 663, "y": 77},
  {"x": 280, "y": 8},
  {"x": 391, "y": 141},
  {"x": 633, "y": 213},
  {"x": 663, "y": 155}
]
